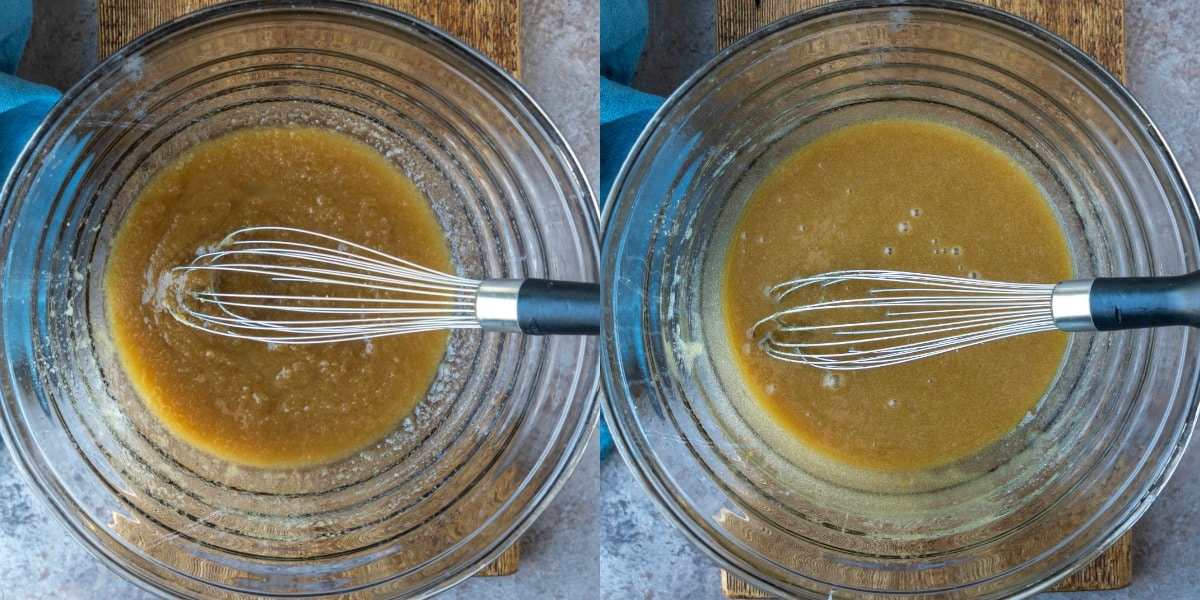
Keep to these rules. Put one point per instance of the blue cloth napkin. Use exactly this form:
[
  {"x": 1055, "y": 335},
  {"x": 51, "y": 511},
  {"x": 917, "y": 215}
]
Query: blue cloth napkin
[
  {"x": 22, "y": 104},
  {"x": 624, "y": 111}
]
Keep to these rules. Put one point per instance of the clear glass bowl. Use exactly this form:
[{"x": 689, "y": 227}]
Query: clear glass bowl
[
  {"x": 1043, "y": 501},
  {"x": 508, "y": 416}
]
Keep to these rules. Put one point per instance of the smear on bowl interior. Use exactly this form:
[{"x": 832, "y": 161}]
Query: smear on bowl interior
[
  {"x": 246, "y": 401},
  {"x": 905, "y": 195}
]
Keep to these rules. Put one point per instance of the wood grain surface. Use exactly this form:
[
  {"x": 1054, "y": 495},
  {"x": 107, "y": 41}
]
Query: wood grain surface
[
  {"x": 490, "y": 26},
  {"x": 1095, "y": 26}
]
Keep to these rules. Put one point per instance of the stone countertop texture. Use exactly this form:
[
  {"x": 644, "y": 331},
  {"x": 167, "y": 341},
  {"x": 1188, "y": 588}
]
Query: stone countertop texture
[
  {"x": 642, "y": 556},
  {"x": 39, "y": 560}
]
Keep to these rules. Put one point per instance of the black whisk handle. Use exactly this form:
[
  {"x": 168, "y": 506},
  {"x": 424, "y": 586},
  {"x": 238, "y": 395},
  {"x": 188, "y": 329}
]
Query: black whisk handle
[
  {"x": 546, "y": 307},
  {"x": 1137, "y": 302}
]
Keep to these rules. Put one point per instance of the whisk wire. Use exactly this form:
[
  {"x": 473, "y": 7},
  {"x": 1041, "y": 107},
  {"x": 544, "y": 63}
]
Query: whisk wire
[
  {"x": 353, "y": 305},
  {"x": 364, "y": 269},
  {"x": 862, "y": 359},
  {"x": 382, "y": 260},
  {"x": 403, "y": 297},
  {"x": 907, "y": 316},
  {"x": 303, "y": 275},
  {"x": 901, "y": 328}
]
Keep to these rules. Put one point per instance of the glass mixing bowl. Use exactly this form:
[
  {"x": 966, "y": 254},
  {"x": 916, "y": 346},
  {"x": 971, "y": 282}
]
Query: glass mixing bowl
[
  {"x": 455, "y": 484},
  {"x": 1040, "y": 503}
]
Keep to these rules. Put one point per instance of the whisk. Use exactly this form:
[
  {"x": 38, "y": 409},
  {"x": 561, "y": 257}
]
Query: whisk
[
  {"x": 332, "y": 290},
  {"x": 908, "y": 316}
]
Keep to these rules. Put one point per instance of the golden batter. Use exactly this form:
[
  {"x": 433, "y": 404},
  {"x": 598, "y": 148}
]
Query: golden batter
[
  {"x": 910, "y": 196},
  {"x": 249, "y": 402}
]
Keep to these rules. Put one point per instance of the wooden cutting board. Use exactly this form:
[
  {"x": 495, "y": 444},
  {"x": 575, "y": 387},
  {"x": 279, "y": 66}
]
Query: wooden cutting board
[
  {"x": 1097, "y": 27},
  {"x": 490, "y": 26}
]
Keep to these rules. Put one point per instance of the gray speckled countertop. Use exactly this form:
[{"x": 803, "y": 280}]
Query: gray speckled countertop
[
  {"x": 558, "y": 554},
  {"x": 641, "y": 556}
]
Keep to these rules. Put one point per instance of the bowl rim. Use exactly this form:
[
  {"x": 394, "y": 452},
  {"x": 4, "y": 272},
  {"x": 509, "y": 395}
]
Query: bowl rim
[{"x": 645, "y": 476}]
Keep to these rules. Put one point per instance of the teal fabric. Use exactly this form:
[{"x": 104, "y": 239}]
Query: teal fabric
[
  {"x": 14, "y": 30},
  {"x": 22, "y": 104},
  {"x": 624, "y": 111},
  {"x": 623, "y": 25}
]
